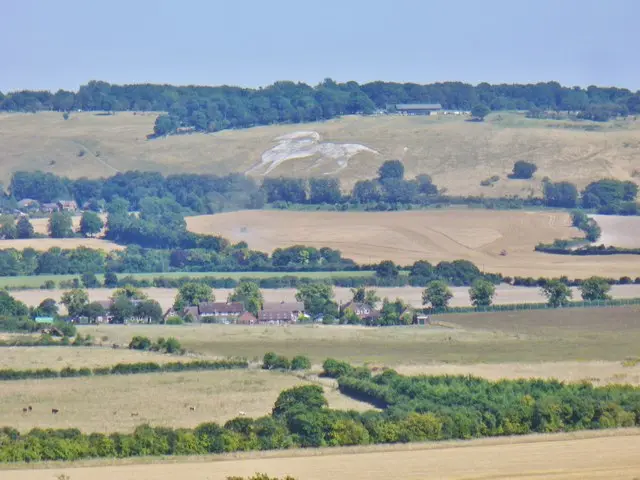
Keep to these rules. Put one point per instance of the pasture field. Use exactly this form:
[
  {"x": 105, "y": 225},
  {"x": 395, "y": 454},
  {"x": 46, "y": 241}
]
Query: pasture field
[
  {"x": 404, "y": 237},
  {"x": 57, "y": 358},
  {"x": 505, "y": 294},
  {"x": 458, "y": 154},
  {"x": 106, "y": 403},
  {"x": 590, "y": 455},
  {"x": 609, "y": 334}
]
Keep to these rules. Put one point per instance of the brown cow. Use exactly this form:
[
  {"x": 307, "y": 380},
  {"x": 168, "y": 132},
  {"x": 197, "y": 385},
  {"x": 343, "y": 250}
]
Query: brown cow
[{"x": 54, "y": 411}]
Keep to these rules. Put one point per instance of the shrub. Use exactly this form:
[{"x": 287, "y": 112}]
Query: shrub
[
  {"x": 140, "y": 343},
  {"x": 300, "y": 362},
  {"x": 523, "y": 170},
  {"x": 174, "y": 320},
  {"x": 271, "y": 361}
]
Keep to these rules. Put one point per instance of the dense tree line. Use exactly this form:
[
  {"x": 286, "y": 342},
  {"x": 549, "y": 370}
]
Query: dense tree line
[
  {"x": 209, "y": 109},
  {"x": 607, "y": 196},
  {"x": 412, "y": 409}
]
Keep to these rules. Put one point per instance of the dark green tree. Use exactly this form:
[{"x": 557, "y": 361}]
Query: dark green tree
[
  {"x": 523, "y": 170},
  {"x": 8, "y": 228},
  {"x": 387, "y": 269},
  {"x": 479, "y": 111},
  {"x": 150, "y": 310},
  {"x": 89, "y": 280},
  {"x": 60, "y": 225},
  {"x": 318, "y": 299},
  {"x": 24, "y": 227},
  {"x": 481, "y": 293},
  {"x": 595, "y": 288},
  {"x": 560, "y": 194},
  {"x": 391, "y": 169},
  {"x": 93, "y": 311},
  {"x": 250, "y": 295},
  {"x": 558, "y": 294},
  {"x": 75, "y": 300},
  {"x": 122, "y": 309},
  {"x": 437, "y": 294},
  {"x": 307, "y": 398},
  {"x": 110, "y": 279},
  {"x": 90, "y": 224}
]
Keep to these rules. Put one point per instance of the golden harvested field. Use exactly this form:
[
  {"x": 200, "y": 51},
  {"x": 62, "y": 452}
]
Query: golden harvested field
[
  {"x": 105, "y": 403},
  {"x": 611, "y": 455},
  {"x": 22, "y": 358},
  {"x": 458, "y": 154},
  {"x": 582, "y": 334},
  {"x": 436, "y": 235},
  {"x": 41, "y": 225},
  {"x": 618, "y": 230},
  {"x": 47, "y": 243}
]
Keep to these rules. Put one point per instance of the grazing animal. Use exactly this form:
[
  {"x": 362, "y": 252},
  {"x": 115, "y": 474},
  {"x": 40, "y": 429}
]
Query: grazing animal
[
  {"x": 193, "y": 409},
  {"x": 29, "y": 407},
  {"x": 54, "y": 411},
  {"x": 242, "y": 414},
  {"x": 135, "y": 414},
  {"x": 25, "y": 410}
]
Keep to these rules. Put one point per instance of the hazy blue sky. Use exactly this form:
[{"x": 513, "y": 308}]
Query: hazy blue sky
[{"x": 51, "y": 44}]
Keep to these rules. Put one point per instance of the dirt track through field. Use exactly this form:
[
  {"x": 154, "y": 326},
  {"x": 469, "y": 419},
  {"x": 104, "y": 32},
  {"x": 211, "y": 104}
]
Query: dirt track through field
[
  {"x": 496, "y": 241},
  {"x": 584, "y": 455}
]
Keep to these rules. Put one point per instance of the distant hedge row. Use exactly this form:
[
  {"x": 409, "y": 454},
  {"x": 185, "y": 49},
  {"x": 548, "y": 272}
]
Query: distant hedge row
[{"x": 123, "y": 369}]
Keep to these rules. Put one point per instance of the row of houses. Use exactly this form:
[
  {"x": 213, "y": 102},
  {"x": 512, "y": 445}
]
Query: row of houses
[
  {"x": 234, "y": 312},
  {"x": 31, "y": 205}
]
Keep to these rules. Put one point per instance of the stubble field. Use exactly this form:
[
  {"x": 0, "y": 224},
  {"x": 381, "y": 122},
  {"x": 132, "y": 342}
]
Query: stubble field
[{"x": 405, "y": 237}]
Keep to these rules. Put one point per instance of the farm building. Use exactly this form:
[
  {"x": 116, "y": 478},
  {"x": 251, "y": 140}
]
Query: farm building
[
  {"x": 362, "y": 311},
  {"x": 418, "y": 108},
  {"x": 283, "y": 312}
]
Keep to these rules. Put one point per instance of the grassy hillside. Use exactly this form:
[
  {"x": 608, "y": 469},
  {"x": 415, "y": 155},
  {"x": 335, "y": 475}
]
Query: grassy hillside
[{"x": 458, "y": 154}]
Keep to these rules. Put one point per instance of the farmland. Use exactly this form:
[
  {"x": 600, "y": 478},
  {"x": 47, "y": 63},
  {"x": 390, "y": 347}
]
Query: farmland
[
  {"x": 608, "y": 455},
  {"x": 608, "y": 334},
  {"x": 405, "y": 237},
  {"x": 458, "y": 154},
  {"x": 505, "y": 294},
  {"x": 618, "y": 231},
  {"x": 105, "y": 404},
  {"x": 47, "y": 243}
]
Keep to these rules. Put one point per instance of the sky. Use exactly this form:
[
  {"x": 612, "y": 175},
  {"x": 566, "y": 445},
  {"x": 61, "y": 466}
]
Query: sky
[{"x": 65, "y": 43}]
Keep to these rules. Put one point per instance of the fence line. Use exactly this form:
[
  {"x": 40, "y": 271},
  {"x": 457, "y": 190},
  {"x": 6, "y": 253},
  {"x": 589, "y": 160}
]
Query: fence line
[{"x": 514, "y": 307}]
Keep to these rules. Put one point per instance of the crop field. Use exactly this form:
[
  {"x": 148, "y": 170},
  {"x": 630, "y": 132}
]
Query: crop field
[
  {"x": 608, "y": 334},
  {"x": 458, "y": 154},
  {"x": 122, "y": 402},
  {"x": 610, "y": 455},
  {"x": 404, "y": 237},
  {"x": 505, "y": 294}
]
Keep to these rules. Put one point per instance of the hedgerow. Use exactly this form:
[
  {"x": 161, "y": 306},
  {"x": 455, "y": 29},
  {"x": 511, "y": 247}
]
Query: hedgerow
[{"x": 123, "y": 369}]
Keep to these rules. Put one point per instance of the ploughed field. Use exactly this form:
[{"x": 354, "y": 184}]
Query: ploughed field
[
  {"x": 480, "y": 236},
  {"x": 599, "y": 455}
]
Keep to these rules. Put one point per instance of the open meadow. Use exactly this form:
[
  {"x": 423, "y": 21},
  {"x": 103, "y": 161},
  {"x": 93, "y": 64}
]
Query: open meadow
[
  {"x": 458, "y": 154},
  {"x": 581, "y": 334},
  {"x": 119, "y": 403},
  {"x": 405, "y": 237},
  {"x": 597, "y": 455}
]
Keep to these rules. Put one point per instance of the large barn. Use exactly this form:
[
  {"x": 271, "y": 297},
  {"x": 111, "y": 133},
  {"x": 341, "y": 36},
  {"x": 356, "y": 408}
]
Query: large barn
[{"x": 418, "y": 108}]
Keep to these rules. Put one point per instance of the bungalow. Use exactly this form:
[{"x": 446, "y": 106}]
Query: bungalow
[
  {"x": 246, "y": 318},
  {"x": 283, "y": 312},
  {"x": 362, "y": 310},
  {"x": 28, "y": 204},
  {"x": 68, "y": 205},
  {"x": 219, "y": 312}
]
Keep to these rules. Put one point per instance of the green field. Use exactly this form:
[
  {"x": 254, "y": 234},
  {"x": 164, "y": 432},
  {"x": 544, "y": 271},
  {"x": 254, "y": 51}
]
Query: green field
[{"x": 35, "y": 281}]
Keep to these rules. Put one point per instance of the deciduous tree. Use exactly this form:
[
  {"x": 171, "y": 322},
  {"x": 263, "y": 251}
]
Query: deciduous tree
[{"x": 437, "y": 294}]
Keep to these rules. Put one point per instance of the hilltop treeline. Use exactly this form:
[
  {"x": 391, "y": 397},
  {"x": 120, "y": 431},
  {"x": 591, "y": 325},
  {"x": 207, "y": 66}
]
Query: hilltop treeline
[
  {"x": 413, "y": 409},
  {"x": 209, "y": 109}
]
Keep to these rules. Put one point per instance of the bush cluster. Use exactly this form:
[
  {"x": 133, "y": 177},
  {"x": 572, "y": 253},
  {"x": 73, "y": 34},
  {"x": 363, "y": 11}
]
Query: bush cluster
[
  {"x": 169, "y": 345},
  {"x": 273, "y": 361}
]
